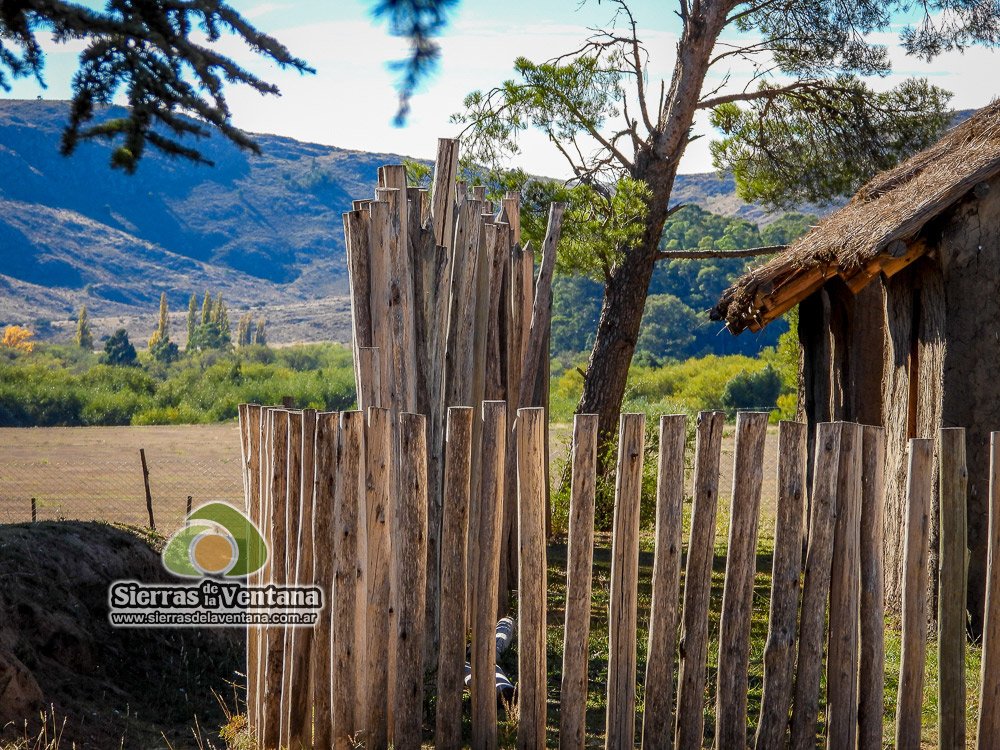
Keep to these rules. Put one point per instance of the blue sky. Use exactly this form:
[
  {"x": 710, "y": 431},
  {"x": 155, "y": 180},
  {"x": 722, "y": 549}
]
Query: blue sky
[{"x": 350, "y": 101}]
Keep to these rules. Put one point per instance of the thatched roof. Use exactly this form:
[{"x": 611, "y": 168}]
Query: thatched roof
[{"x": 878, "y": 231}]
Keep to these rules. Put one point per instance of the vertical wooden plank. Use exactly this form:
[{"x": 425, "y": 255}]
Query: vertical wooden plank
[
  {"x": 620, "y": 725},
  {"x": 737, "y": 593},
  {"x": 952, "y": 582},
  {"x": 300, "y": 706},
  {"x": 277, "y": 574},
  {"x": 988, "y": 730},
  {"x": 779, "y": 651},
  {"x": 484, "y": 701},
  {"x": 909, "y": 699},
  {"x": 253, "y": 416},
  {"x": 531, "y": 579},
  {"x": 845, "y": 582},
  {"x": 451, "y": 652},
  {"x": 443, "y": 194},
  {"x": 324, "y": 574},
  {"x": 369, "y": 378},
  {"x": 378, "y": 267},
  {"x": 871, "y": 674},
  {"x": 512, "y": 215},
  {"x": 293, "y": 507},
  {"x": 579, "y": 574},
  {"x": 459, "y": 362},
  {"x": 816, "y": 584},
  {"x": 698, "y": 583},
  {"x": 378, "y": 447},
  {"x": 345, "y": 522},
  {"x": 263, "y": 575},
  {"x": 497, "y": 243},
  {"x": 664, "y": 609},
  {"x": 356, "y": 235},
  {"x": 409, "y": 526}
]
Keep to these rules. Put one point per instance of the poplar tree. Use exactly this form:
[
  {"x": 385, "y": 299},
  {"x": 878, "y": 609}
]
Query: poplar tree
[
  {"x": 84, "y": 336},
  {"x": 192, "y": 320},
  {"x": 260, "y": 334}
]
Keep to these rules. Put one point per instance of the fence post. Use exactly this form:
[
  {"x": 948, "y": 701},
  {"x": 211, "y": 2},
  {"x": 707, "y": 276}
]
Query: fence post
[
  {"x": 258, "y": 667},
  {"x": 409, "y": 559},
  {"x": 300, "y": 706},
  {"x": 531, "y": 580},
  {"x": 698, "y": 583},
  {"x": 370, "y": 392},
  {"x": 620, "y": 732},
  {"x": 451, "y": 651},
  {"x": 871, "y": 675},
  {"x": 325, "y": 539},
  {"x": 345, "y": 522},
  {"x": 145, "y": 481},
  {"x": 487, "y": 571},
  {"x": 915, "y": 560},
  {"x": 816, "y": 584},
  {"x": 664, "y": 612},
  {"x": 290, "y": 552},
  {"x": 737, "y": 593},
  {"x": 277, "y": 575},
  {"x": 378, "y": 449},
  {"x": 952, "y": 586},
  {"x": 579, "y": 572},
  {"x": 988, "y": 731},
  {"x": 845, "y": 581},
  {"x": 779, "y": 651}
]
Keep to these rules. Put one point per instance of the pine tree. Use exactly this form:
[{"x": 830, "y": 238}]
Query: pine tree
[
  {"x": 84, "y": 336},
  {"x": 260, "y": 334},
  {"x": 162, "y": 332},
  {"x": 118, "y": 350},
  {"x": 192, "y": 320},
  {"x": 244, "y": 331}
]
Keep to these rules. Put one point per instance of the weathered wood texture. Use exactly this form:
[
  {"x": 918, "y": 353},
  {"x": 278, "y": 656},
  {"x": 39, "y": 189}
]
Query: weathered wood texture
[
  {"x": 531, "y": 581},
  {"x": 487, "y": 570},
  {"x": 292, "y": 509},
  {"x": 988, "y": 730},
  {"x": 845, "y": 581},
  {"x": 871, "y": 677},
  {"x": 409, "y": 555},
  {"x": 698, "y": 583},
  {"x": 620, "y": 725},
  {"x": 909, "y": 699},
  {"x": 953, "y": 474},
  {"x": 451, "y": 651},
  {"x": 779, "y": 650},
  {"x": 324, "y": 572},
  {"x": 579, "y": 575},
  {"x": 665, "y": 607},
  {"x": 816, "y": 584},
  {"x": 737, "y": 594}
]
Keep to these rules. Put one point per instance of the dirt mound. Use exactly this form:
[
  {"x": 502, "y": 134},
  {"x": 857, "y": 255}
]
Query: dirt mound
[{"x": 116, "y": 687}]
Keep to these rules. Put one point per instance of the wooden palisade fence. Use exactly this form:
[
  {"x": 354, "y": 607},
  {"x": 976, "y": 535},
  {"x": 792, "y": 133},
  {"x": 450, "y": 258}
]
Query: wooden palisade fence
[{"x": 320, "y": 488}]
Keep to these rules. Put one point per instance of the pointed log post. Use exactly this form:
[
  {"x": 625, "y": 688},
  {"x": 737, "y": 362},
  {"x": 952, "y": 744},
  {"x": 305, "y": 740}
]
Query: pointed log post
[
  {"x": 816, "y": 584},
  {"x": 845, "y": 583},
  {"x": 409, "y": 525},
  {"x": 779, "y": 652},
  {"x": 871, "y": 674},
  {"x": 324, "y": 572},
  {"x": 988, "y": 730},
  {"x": 531, "y": 580},
  {"x": 698, "y": 583},
  {"x": 664, "y": 610},
  {"x": 620, "y": 723},
  {"x": 443, "y": 195},
  {"x": 378, "y": 268},
  {"x": 357, "y": 229},
  {"x": 487, "y": 570},
  {"x": 737, "y": 594},
  {"x": 579, "y": 574},
  {"x": 451, "y": 652},
  {"x": 915, "y": 563}
]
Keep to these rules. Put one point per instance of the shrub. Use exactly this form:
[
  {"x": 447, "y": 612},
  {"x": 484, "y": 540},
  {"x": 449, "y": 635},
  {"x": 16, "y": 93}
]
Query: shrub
[{"x": 753, "y": 390}]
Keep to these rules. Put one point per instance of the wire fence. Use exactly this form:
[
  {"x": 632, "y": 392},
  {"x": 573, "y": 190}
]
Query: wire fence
[{"x": 89, "y": 473}]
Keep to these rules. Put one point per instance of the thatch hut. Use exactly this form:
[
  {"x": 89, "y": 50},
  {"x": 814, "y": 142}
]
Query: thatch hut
[{"x": 899, "y": 315}]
